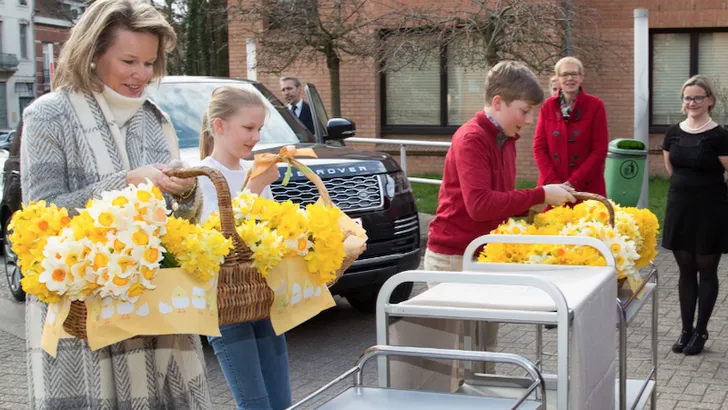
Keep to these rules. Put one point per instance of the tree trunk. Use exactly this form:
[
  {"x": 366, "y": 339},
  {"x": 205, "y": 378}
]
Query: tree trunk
[{"x": 333, "y": 63}]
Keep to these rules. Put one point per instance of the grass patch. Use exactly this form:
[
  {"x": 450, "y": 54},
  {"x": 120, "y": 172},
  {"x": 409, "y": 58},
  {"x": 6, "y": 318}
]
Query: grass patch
[
  {"x": 426, "y": 194},
  {"x": 657, "y": 201}
]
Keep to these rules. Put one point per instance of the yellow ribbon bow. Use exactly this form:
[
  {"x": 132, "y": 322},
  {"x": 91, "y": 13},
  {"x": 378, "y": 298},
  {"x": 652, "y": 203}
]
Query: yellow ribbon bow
[{"x": 287, "y": 153}]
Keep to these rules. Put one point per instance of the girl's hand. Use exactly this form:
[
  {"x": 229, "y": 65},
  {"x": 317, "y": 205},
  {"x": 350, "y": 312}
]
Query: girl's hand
[
  {"x": 174, "y": 185},
  {"x": 257, "y": 185}
]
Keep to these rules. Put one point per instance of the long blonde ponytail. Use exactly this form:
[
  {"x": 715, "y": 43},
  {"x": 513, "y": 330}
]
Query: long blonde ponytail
[
  {"x": 207, "y": 141},
  {"x": 225, "y": 101}
]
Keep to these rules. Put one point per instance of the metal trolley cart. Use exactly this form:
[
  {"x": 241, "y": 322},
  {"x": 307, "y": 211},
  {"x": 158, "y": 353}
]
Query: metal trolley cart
[
  {"x": 630, "y": 393},
  {"x": 634, "y": 392},
  {"x": 359, "y": 397}
]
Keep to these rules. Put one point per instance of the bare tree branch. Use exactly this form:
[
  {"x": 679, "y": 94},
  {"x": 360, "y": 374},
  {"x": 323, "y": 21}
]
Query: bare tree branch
[{"x": 394, "y": 34}]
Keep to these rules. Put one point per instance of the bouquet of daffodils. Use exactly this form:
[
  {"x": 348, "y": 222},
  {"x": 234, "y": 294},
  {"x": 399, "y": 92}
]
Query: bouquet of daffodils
[
  {"x": 632, "y": 239},
  {"x": 274, "y": 230},
  {"x": 113, "y": 248}
]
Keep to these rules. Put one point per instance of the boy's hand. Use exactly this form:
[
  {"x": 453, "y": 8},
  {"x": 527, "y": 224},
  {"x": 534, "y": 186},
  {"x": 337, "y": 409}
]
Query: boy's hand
[
  {"x": 558, "y": 194},
  {"x": 539, "y": 208}
]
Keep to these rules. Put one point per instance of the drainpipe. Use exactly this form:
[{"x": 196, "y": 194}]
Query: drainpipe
[
  {"x": 641, "y": 91},
  {"x": 31, "y": 52},
  {"x": 568, "y": 10},
  {"x": 251, "y": 59}
]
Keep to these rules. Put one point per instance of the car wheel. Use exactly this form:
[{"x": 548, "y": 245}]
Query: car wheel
[
  {"x": 366, "y": 300},
  {"x": 12, "y": 270}
]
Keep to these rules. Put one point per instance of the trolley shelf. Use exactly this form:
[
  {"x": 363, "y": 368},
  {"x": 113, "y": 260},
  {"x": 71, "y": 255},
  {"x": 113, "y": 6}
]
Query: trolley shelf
[
  {"x": 635, "y": 399},
  {"x": 633, "y": 308},
  {"x": 376, "y": 398}
]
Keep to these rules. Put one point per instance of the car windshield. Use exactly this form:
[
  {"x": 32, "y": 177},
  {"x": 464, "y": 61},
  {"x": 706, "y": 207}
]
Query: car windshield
[{"x": 186, "y": 101}]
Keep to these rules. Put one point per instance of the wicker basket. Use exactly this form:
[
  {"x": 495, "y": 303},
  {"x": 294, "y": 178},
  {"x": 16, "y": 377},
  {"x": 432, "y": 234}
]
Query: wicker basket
[
  {"x": 584, "y": 196},
  {"x": 242, "y": 293},
  {"x": 326, "y": 199}
]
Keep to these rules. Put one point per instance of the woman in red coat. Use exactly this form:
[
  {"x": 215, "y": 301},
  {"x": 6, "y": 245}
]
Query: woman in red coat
[{"x": 570, "y": 143}]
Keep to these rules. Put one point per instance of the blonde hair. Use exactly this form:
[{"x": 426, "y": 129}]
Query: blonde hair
[
  {"x": 513, "y": 81},
  {"x": 703, "y": 82},
  {"x": 225, "y": 102},
  {"x": 95, "y": 32},
  {"x": 553, "y": 79},
  {"x": 568, "y": 60}
]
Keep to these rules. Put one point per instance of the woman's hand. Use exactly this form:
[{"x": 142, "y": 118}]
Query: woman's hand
[
  {"x": 140, "y": 175},
  {"x": 257, "y": 185},
  {"x": 174, "y": 185}
]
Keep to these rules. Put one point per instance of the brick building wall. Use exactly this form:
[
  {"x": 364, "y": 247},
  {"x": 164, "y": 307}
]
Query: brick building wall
[
  {"x": 612, "y": 80},
  {"x": 47, "y": 34}
]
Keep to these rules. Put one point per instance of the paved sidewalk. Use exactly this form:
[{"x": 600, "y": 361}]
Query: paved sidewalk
[{"x": 329, "y": 344}]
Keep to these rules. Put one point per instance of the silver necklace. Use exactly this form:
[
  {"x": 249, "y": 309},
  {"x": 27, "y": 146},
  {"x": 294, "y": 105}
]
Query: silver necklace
[{"x": 700, "y": 127}]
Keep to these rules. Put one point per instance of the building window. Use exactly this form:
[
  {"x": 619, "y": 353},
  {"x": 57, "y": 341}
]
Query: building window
[
  {"x": 23, "y": 103},
  {"x": 678, "y": 55},
  {"x": 24, "y": 41},
  {"x": 3, "y": 107},
  {"x": 434, "y": 94},
  {"x": 47, "y": 56}
]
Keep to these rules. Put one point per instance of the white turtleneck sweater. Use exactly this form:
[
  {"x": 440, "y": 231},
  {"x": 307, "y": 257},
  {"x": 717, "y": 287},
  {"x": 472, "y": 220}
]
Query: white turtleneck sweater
[{"x": 123, "y": 108}]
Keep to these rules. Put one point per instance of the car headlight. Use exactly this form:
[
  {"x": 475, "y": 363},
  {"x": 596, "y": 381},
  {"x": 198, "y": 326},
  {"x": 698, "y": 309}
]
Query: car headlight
[{"x": 397, "y": 183}]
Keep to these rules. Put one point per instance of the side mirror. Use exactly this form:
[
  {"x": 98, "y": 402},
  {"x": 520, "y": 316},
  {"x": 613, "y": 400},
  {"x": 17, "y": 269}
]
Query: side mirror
[{"x": 340, "y": 128}]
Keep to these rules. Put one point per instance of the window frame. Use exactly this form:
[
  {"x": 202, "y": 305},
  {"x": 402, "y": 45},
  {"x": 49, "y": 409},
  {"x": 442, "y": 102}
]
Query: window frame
[
  {"x": 23, "y": 44},
  {"x": 441, "y": 129},
  {"x": 694, "y": 56}
]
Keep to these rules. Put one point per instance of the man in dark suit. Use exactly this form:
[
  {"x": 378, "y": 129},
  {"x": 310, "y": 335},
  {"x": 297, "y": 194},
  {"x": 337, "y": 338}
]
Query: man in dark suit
[{"x": 291, "y": 89}]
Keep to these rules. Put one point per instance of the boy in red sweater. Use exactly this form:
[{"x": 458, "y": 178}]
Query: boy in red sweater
[{"x": 478, "y": 193}]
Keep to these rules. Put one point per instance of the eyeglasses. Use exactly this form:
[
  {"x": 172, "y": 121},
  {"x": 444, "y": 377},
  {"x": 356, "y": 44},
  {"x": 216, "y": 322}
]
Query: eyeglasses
[
  {"x": 567, "y": 75},
  {"x": 698, "y": 99}
]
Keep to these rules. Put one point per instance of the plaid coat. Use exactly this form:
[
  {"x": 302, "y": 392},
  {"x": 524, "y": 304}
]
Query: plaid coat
[{"x": 58, "y": 165}]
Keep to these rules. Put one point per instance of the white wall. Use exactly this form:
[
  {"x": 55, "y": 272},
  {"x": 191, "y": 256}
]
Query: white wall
[{"x": 12, "y": 14}]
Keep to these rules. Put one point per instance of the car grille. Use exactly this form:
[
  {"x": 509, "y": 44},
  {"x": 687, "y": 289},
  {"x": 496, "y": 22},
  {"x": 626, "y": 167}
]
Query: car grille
[
  {"x": 406, "y": 225},
  {"x": 356, "y": 193}
]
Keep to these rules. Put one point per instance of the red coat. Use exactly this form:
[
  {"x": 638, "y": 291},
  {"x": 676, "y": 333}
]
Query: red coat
[
  {"x": 478, "y": 190},
  {"x": 573, "y": 150}
]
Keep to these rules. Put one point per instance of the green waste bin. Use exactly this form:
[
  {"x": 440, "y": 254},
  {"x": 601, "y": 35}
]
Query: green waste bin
[{"x": 624, "y": 170}]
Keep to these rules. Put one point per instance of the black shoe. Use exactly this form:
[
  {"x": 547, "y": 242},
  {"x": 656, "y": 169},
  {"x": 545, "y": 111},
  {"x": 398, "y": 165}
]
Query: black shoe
[
  {"x": 696, "y": 344},
  {"x": 682, "y": 341}
]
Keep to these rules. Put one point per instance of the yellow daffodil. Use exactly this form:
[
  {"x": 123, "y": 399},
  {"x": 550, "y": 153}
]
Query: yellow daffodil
[{"x": 632, "y": 241}]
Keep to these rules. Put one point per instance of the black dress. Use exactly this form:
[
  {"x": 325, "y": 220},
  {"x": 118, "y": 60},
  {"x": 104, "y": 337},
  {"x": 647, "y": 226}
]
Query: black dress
[{"x": 696, "y": 218}]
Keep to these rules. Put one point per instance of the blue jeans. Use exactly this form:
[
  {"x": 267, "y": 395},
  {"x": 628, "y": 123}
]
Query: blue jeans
[{"x": 255, "y": 363}]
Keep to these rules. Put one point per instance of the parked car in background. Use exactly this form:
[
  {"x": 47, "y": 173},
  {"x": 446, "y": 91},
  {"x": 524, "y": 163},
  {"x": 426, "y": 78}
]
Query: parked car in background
[
  {"x": 368, "y": 186},
  {"x": 11, "y": 202}
]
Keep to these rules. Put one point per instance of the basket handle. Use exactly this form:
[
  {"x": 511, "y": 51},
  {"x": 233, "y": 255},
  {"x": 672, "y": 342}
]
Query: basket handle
[
  {"x": 315, "y": 179},
  {"x": 583, "y": 196},
  {"x": 224, "y": 202}
]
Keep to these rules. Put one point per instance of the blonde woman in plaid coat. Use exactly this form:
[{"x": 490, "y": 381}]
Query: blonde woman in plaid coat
[{"x": 97, "y": 132}]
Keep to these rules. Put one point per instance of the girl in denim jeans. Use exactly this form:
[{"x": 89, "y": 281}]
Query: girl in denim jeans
[{"x": 253, "y": 359}]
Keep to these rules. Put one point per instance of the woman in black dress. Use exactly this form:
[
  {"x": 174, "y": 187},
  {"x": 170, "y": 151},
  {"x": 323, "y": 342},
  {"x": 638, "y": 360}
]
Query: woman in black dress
[{"x": 696, "y": 157}]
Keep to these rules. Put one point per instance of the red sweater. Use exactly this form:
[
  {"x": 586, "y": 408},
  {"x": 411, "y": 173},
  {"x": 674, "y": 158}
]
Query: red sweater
[{"x": 478, "y": 190}]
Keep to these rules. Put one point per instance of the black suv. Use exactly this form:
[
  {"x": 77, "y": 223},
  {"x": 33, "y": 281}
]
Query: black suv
[{"x": 369, "y": 186}]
